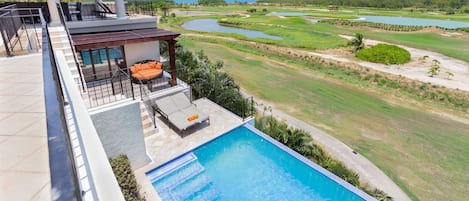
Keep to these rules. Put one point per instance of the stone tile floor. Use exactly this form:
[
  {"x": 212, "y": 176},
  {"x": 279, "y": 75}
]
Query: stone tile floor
[
  {"x": 168, "y": 143},
  {"x": 24, "y": 158}
]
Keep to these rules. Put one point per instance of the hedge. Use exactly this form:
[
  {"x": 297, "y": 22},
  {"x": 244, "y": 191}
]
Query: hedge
[
  {"x": 126, "y": 178},
  {"x": 385, "y": 54}
]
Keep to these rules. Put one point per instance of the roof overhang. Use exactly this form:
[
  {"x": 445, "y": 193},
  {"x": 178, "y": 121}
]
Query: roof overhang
[{"x": 118, "y": 38}]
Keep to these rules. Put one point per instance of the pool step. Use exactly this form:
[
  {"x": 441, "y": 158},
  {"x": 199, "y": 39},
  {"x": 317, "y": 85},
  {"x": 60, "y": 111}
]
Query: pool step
[
  {"x": 179, "y": 176},
  {"x": 183, "y": 179},
  {"x": 209, "y": 192},
  {"x": 174, "y": 165},
  {"x": 192, "y": 186}
]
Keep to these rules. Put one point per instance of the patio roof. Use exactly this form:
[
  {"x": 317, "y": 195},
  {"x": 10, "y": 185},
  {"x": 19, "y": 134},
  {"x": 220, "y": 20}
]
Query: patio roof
[{"x": 99, "y": 40}]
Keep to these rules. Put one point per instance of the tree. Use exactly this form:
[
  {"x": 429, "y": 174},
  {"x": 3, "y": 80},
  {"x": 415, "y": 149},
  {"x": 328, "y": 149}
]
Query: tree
[
  {"x": 357, "y": 43},
  {"x": 211, "y": 2},
  {"x": 434, "y": 68},
  {"x": 164, "y": 7}
]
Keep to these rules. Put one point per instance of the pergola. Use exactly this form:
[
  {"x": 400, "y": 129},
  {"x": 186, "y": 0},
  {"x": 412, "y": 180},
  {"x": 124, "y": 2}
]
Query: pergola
[{"x": 121, "y": 38}]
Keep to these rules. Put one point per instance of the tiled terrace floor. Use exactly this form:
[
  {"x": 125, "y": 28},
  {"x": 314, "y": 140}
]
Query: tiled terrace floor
[
  {"x": 24, "y": 159},
  {"x": 167, "y": 144}
]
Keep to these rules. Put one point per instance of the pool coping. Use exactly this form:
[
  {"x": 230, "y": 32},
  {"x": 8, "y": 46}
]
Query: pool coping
[{"x": 296, "y": 155}]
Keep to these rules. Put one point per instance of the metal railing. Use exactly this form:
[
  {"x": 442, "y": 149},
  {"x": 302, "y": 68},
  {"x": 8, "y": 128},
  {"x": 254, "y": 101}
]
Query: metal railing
[
  {"x": 70, "y": 41},
  {"x": 64, "y": 177},
  {"x": 19, "y": 31},
  {"x": 109, "y": 87}
]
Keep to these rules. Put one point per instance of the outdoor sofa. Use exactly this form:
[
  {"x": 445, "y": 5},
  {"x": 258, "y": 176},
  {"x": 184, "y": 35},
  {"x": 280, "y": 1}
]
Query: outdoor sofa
[{"x": 179, "y": 111}]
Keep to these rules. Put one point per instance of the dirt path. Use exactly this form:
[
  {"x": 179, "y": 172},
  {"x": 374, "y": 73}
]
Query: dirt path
[{"x": 418, "y": 70}]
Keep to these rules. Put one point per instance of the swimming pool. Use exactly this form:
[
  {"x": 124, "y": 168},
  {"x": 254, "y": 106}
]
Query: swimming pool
[{"x": 245, "y": 164}]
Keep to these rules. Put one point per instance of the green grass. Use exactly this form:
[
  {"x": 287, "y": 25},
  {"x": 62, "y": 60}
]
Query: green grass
[
  {"x": 426, "y": 155},
  {"x": 300, "y": 33}
]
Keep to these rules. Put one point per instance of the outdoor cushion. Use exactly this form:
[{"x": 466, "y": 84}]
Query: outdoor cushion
[
  {"x": 166, "y": 105},
  {"x": 181, "y": 100},
  {"x": 147, "y": 74},
  {"x": 180, "y": 111},
  {"x": 179, "y": 120},
  {"x": 155, "y": 64},
  {"x": 192, "y": 110},
  {"x": 135, "y": 68},
  {"x": 193, "y": 117}
]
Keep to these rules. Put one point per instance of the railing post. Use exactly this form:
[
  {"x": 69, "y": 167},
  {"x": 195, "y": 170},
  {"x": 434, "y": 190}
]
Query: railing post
[{"x": 5, "y": 38}]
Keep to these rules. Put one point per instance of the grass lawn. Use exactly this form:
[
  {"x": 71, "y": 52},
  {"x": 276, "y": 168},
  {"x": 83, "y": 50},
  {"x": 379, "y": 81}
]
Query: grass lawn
[{"x": 426, "y": 155}]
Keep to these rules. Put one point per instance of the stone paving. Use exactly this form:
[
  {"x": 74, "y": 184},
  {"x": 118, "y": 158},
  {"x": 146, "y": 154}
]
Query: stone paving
[{"x": 24, "y": 158}]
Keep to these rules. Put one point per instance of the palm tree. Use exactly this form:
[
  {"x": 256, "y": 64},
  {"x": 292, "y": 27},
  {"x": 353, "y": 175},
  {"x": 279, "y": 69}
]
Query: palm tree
[{"x": 357, "y": 43}]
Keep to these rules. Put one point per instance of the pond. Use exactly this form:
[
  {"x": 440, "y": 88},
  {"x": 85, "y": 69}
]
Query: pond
[
  {"x": 415, "y": 21},
  {"x": 211, "y": 25},
  {"x": 287, "y": 14}
]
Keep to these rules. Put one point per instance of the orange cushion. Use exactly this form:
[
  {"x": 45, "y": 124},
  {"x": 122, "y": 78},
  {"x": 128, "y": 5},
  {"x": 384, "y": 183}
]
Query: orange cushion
[
  {"x": 159, "y": 65},
  {"x": 147, "y": 74},
  {"x": 152, "y": 64},
  {"x": 193, "y": 117},
  {"x": 135, "y": 68},
  {"x": 145, "y": 66}
]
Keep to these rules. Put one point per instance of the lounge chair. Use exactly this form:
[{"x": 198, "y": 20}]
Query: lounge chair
[{"x": 180, "y": 112}]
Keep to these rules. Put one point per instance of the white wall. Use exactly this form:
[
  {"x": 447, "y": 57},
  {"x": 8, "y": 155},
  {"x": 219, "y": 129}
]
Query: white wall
[
  {"x": 136, "y": 52},
  {"x": 121, "y": 132}
]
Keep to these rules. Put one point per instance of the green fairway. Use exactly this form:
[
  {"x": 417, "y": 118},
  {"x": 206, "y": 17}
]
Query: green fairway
[
  {"x": 425, "y": 154},
  {"x": 304, "y": 34}
]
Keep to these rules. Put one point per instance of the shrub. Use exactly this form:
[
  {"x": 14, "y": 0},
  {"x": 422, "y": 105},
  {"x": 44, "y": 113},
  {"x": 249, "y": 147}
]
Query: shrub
[
  {"x": 385, "y": 54},
  {"x": 126, "y": 178}
]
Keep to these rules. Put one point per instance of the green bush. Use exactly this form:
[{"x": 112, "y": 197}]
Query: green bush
[
  {"x": 385, "y": 54},
  {"x": 126, "y": 178}
]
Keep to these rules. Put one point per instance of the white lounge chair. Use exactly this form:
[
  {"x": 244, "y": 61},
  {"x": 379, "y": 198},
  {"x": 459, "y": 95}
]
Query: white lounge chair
[{"x": 180, "y": 112}]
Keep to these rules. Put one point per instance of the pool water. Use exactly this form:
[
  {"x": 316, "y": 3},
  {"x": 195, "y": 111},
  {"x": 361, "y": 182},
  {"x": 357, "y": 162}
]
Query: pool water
[
  {"x": 416, "y": 21},
  {"x": 211, "y": 25},
  {"x": 245, "y": 165}
]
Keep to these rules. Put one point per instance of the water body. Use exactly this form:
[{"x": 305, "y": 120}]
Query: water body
[
  {"x": 288, "y": 14},
  {"x": 415, "y": 21},
  {"x": 227, "y": 1},
  {"x": 211, "y": 25}
]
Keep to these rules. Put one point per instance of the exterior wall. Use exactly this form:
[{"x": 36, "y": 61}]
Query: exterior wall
[
  {"x": 142, "y": 51},
  {"x": 80, "y": 27},
  {"x": 121, "y": 132}
]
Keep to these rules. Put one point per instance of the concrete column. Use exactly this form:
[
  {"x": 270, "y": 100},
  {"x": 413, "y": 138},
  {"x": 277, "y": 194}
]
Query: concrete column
[
  {"x": 120, "y": 9},
  {"x": 54, "y": 13}
]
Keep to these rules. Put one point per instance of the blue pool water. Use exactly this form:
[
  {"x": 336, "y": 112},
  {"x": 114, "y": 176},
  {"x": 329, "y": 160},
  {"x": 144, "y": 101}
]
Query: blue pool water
[
  {"x": 211, "y": 25},
  {"x": 246, "y": 165},
  {"x": 416, "y": 21}
]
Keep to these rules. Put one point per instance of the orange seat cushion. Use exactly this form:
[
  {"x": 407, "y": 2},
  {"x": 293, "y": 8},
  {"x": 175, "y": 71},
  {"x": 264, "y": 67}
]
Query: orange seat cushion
[
  {"x": 147, "y": 74},
  {"x": 193, "y": 117}
]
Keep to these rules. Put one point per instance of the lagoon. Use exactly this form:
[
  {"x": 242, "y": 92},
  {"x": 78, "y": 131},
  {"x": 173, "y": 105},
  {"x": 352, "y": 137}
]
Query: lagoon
[
  {"x": 211, "y": 25},
  {"x": 415, "y": 21}
]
